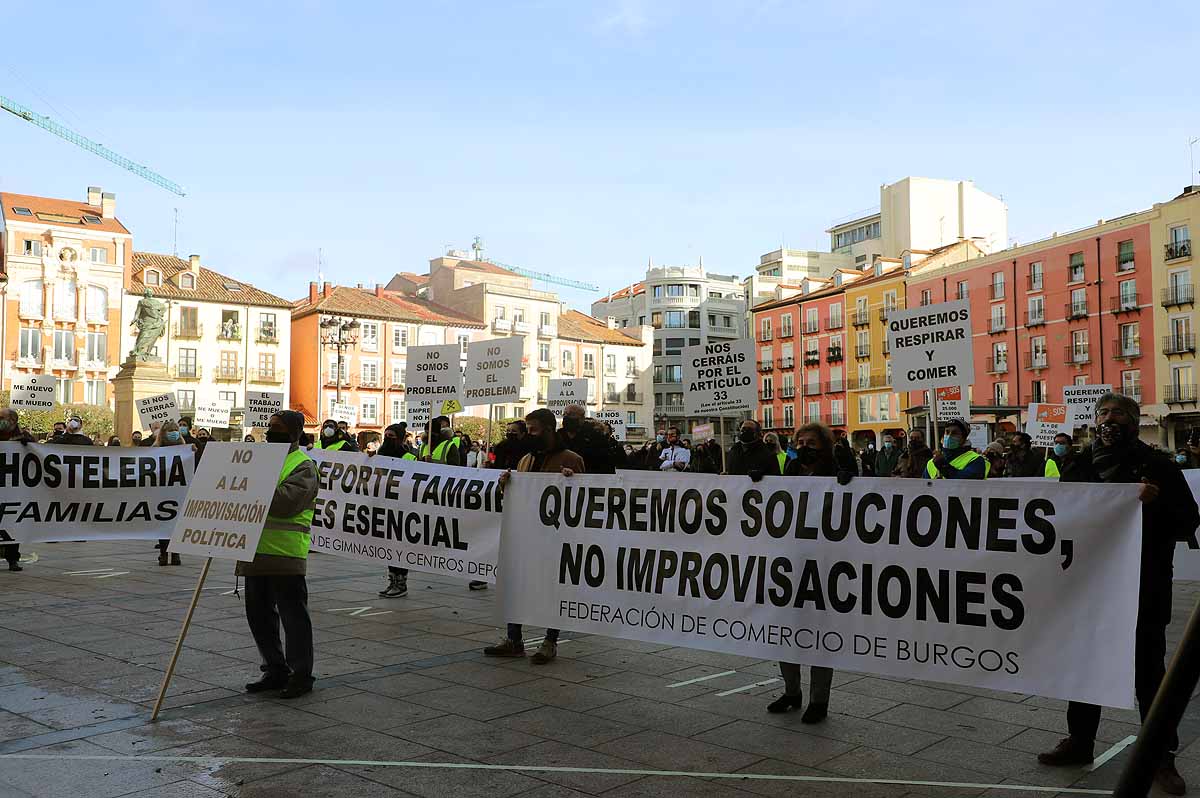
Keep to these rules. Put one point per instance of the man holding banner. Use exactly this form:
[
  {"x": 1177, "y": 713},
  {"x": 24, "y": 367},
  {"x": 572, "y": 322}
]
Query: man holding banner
[
  {"x": 275, "y": 586},
  {"x": 1169, "y": 514}
]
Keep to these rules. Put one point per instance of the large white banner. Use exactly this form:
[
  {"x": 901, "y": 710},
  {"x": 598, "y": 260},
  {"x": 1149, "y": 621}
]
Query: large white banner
[
  {"x": 424, "y": 516},
  {"x": 977, "y": 583},
  {"x": 91, "y": 493}
]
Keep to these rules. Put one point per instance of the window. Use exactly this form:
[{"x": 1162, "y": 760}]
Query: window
[
  {"x": 97, "y": 348},
  {"x": 66, "y": 300},
  {"x": 631, "y": 418},
  {"x": 768, "y": 417},
  {"x": 675, "y": 290},
  {"x": 189, "y": 325},
  {"x": 963, "y": 290},
  {"x": 694, "y": 319},
  {"x": 837, "y": 411},
  {"x": 631, "y": 367},
  {"x": 997, "y": 285},
  {"x": 656, "y": 320},
  {"x": 30, "y": 347},
  {"x": 693, "y": 290},
  {"x": 768, "y": 388},
  {"x": 397, "y": 414},
  {"x": 789, "y": 416},
  {"x": 610, "y": 364},
  {"x": 1037, "y": 391},
  {"x": 712, "y": 320},
  {"x": 64, "y": 345},
  {"x": 1075, "y": 268},
  {"x": 187, "y": 280},
  {"x": 1130, "y": 340},
  {"x": 266, "y": 327},
  {"x": 1127, "y": 294},
  {"x": 96, "y": 307},
  {"x": 1124, "y": 255},
  {"x": 785, "y": 325},
  {"x": 568, "y": 362},
  {"x": 229, "y": 365},
  {"x": 186, "y": 399},
  {"x": 1037, "y": 310},
  {"x": 32, "y": 299},
  {"x": 368, "y": 336},
  {"x": 231, "y": 327},
  {"x": 864, "y": 410},
  {"x": 862, "y": 343},
  {"x": 99, "y": 255},
  {"x": 672, "y": 374},
  {"x": 764, "y": 327},
  {"x": 152, "y": 278},
  {"x": 926, "y": 297},
  {"x": 589, "y": 359},
  {"x": 811, "y": 323},
  {"x": 228, "y": 396},
  {"x": 1035, "y": 276},
  {"x": 544, "y": 319},
  {"x": 1078, "y": 303},
  {"x": 631, "y": 394},
  {"x": 187, "y": 364},
  {"x": 95, "y": 392},
  {"x": 397, "y": 375},
  {"x": 673, "y": 346},
  {"x": 813, "y": 412},
  {"x": 518, "y": 315},
  {"x": 1179, "y": 242},
  {"x": 369, "y": 410},
  {"x": 1079, "y": 346},
  {"x": 999, "y": 322},
  {"x": 1131, "y": 384},
  {"x": 889, "y": 300},
  {"x": 399, "y": 337},
  {"x": 657, "y": 292},
  {"x": 33, "y": 248},
  {"x": 544, "y": 354},
  {"x": 1037, "y": 352},
  {"x": 835, "y": 316},
  {"x": 64, "y": 391},
  {"x": 1000, "y": 393},
  {"x": 1000, "y": 356},
  {"x": 789, "y": 385},
  {"x": 500, "y": 312},
  {"x": 463, "y": 340},
  {"x": 864, "y": 375}
]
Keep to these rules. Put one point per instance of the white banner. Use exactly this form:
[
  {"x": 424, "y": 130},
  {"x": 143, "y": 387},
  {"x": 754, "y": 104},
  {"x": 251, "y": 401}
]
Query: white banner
[
  {"x": 952, "y": 403},
  {"x": 931, "y": 346},
  {"x": 1187, "y": 558},
  {"x": 32, "y": 392},
  {"x": 91, "y": 493},
  {"x": 560, "y": 393},
  {"x": 1081, "y": 403},
  {"x": 424, "y": 516},
  {"x": 227, "y": 503},
  {"x": 434, "y": 374},
  {"x": 1044, "y": 421},
  {"x": 977, "y": 583},
  {"x": 417, "y": 415},
  {"x": 260, "y": 406},
  {"x": 614, "y": 419},
  {"x": 213, "y": 413},
  {"x": 719, "y": 378},
  {"x": 158, "y": 408},
  {"x": 493, "y": 371}
]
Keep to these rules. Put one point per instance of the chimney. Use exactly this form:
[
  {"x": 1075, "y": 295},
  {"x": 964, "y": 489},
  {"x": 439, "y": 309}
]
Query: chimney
[
  {"x": 94, "y": 196},
  {"x": 611, "y": 321},
  {"x": 312, "y": 292},
  {"x": 194, "y": 264},
  {"x": 327, "y": 289},
  {"x": 379, "y": 290},
  {"x": 108, "y": 205}
]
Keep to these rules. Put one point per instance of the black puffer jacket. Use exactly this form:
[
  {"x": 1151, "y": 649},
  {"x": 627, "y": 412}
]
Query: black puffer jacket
[{"x": 749, "y": 459}]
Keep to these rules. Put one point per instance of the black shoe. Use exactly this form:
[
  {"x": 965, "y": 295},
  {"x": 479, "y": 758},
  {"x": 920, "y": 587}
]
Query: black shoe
[
  {"x": 296, "y": 688},
  {"x": 15, "y": 566},
  {"x": 1069, "y": 751},
  {"x": 163, "y": 559},
  {"x": 1168, "y": 778},
  {"x": 268, "y": 682},
  {"x": 175, "y": 560},
  {"x": 815, "y": 713},
  {"x": 477, "y": 586},
  {"x": 785, "y": 703}
]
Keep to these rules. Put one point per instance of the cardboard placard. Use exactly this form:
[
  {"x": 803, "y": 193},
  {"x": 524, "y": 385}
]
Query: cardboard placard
[
  {"x": 344, "y": 411},
  {"x": 1045, "y": 421},
  {"x": 32, "y": 392},
  {"x": 434, "y": 374},
  {"x": 493, "y": 373},
  {"x": 931, "y": 346},
  {"x": 719, "y": 378},
  {"x": 1081, "y": 402},
  {"x": 260, "y": 406},
  {"x": 213, "y": 414},
  {"x": 952, "y": 403},
  {"x": 614, "y": 419},
  {"x": 573, "y": 391}
]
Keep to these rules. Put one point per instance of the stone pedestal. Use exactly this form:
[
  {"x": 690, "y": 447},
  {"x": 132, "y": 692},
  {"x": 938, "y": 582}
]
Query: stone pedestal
[{"x": 137, "y": 380}]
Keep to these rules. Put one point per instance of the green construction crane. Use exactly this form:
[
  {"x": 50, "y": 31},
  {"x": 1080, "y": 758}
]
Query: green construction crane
[
  {"x": 541, "y": 277},
  {"x": 46, "y": 123}
]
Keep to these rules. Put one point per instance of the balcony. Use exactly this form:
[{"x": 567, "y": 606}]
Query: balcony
[
  {"x": 881, "y": 381},
  {"x": 996, "y": 291},
  {"x": 28, "y": 360},
  {"x": 888, "y": 310},
  {"x": 612, "y": 397},
  {"x": 228, "y": 373},
  {"x": 186, "y": 406},
  {"x": 67, "y": 363},
  {"x": 266, "y": 334},
  {"x": 187, "y": 331},
  {"x": 812, "y": 327},
  {"x": 766, "y": 396},
  {"x": 765, "y": 335},
  {"x": 811, "y": 388},
  {"x": 788, "y": 392},
  {"x": 862, "y": 317},
  {"x": 837, "y": 419},
  {"x": 1076, "y": 310},
  {"x": 1134, "y": 392},
  {"x": 1077, "y": 355},
  {"x": 1126, "y": 349},
  {"x": 501, "y": 325},
  {"x": 1036, "y": 360},
  {"x": 1178, "y": 249},
  {"x": 95, "y": 364},
  {"x": 229, "y": 332},
  {"x": 545, "y": 331},
  {"x": 996, "y": 325},
  {"x": 787, "y": 332},
  {"x": 588, "y": 371},
  {"x": 1128, "y": 303},
  {"x": 269, "y": 376},
  {"x": 766, "y": 365},
  {"x": 1179, "y": 344},
  {"x": 833, "y": 354},
  {"x": 370, "y": 382},
  {"x": 1178, "y": 295},
  {"x": 545, "y": 365},
  {"x": 1034, "y": 282},
  {"x": 861, "y": 351},
  {"x": 634, "y": 398},
  {"x": 835, "y": 386},
  {"x": 331, "y": 381},
  {"x": 522, "y": 327},
  {"x": 785, "y": 362},
  {"x": 1035, "y": 318},
  {"x": 1125, "y": 263},
  {"x": 1179, "y": 394},
  {"x": 812, "y": 358},
  {"x": 835, "y": 324},
  {"x": 192, "y": 372},
  {"x": 997, "y": 365}
]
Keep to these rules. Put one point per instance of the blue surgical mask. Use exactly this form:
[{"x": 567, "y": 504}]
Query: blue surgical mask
[
  {"x": 1061, "y": 449},
  {"x": 887, "y": 444},
  {"x": 949, "y": 442},
  {"x": 173, "y": 436},
  {"x": 660, "y": 438},
  {"x": 1181, "y": 458},
  {"x": 183, "y": 430}
]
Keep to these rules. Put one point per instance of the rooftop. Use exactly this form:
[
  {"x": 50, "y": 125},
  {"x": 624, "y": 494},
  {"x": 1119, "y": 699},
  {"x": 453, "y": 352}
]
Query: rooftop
[
  {"x": 379, "y": 304},
  {"x": 582, "y": 327},
  {"x": 210, "y": 286},
  {"x": 65, "y": 213}
]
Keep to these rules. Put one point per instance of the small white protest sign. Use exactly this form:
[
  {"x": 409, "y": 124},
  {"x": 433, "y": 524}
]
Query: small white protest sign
[
  {"x": 719, "y": 378},
  {"x": 1081, "y": 403},
  {"x": 213, "y": 413},
  {"x": 32, "y": 392},
  {"x": 979, "y": 436},
  {"x": 1044, "y": 421},
  {"x": 493, "y": 371},
  {"x": 931, "y": 346},
  {"x": 226, "y": 505},
  {"x": 344, "y": 411},
  {"x": 158, "y": 408},
  {"x": 417, "y": 414},
  {"x": 614, "y": 419},
  {"x": 952, "y": 403},
  {"x": 260, "y": 406},
  {"x": 434, "y": 374},
  {"x": 701, "y": 432},
  {"x": 561, "y": 393}
]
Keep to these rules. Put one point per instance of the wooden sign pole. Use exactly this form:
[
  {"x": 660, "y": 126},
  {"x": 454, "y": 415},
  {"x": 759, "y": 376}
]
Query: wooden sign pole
[{"x": 187, "y": 622}]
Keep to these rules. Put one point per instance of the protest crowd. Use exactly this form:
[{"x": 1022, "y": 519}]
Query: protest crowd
[{"x": 276, "y": 591}]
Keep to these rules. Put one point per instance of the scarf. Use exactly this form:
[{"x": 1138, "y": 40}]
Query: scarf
[{"x": 1117, "y": 463}]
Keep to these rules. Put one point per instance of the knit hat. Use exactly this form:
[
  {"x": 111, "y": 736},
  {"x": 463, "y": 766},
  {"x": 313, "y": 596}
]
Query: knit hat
[{"x": 294, "y": 422}]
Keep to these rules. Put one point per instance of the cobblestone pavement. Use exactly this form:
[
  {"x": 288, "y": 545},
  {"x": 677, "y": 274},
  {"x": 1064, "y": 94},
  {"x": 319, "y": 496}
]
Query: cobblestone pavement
[{"x": 406, "y": 705}]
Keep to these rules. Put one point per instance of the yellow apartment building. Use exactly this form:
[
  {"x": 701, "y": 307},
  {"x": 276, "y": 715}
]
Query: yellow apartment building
[
  {"x": 873, "y": 408},
  {"x": 1174, "y": 276}
]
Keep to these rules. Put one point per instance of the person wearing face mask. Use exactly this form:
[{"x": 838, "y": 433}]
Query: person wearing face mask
[
  {"x": 185, "y": 429},
  {"x": 135, "y": 438},
  {"x": 1023, "y": 460},
  {"x": 955, "y": 460},
  {"x": 887, "y": 458},
  {"x": 59, "y": 430},
  {"x": 771, "y": 441},
  {"x": 168, "y": 435},
  {"x": 749, "y": 455},
  {"x": 590, "y": 440},
  {"x": 393, "y": 446},
  {"x": 1169, "y": 515},
  {"x": 248, "y": 439},
  {"x": 74, "y": 435},
  {"x": 333, "y": 439},
  {"x": 446, "y": 448},
  {"x": 547, "y": 455},
  {"x": 915, "y": 457},
  {"x": 113, "y": 440},
  {"x": 10, "y": 431},
  {"x": 514, "y": 446},
  {"x": 1060, "y": 455},
  {"x": 814, "y": 458},
  {"x": 674, "y": 456},
  {"x": 843, "y": 453},
  {"x": 276, "y": 590},
  {"x": 1183, "y": 459}
]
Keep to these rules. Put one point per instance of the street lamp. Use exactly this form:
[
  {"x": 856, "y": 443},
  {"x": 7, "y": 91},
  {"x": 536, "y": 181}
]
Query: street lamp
[{"x": 339, "y": 335}]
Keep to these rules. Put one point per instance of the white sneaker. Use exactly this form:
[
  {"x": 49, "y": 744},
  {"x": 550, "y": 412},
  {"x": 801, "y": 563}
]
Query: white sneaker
[{"x": 546, "y": 652}]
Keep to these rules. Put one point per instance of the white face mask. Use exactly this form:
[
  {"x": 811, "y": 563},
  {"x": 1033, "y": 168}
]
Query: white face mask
[
  {"x": 327, "y": 432},
  {"x": 74, "y": 425}
]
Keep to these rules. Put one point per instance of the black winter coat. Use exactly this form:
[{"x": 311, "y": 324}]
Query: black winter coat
[{"x": 745, "y": 459}]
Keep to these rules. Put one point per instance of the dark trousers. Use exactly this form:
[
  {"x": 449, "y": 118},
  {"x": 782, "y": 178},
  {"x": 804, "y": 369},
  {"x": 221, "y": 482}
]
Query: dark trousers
[
  {"x": 820, "y": 682},
  {"x": 401, "y": 571},
  {"x": 270, "y": 600},
  {"x": 1150, "y": 649},
  {"x": 12, "y": 552},
  {"x": 514, "y": 633}
]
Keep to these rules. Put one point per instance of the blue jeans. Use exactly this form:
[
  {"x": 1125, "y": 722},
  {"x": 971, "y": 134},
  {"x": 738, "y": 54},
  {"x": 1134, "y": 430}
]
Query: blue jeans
[{"x": 514, "y": 633}]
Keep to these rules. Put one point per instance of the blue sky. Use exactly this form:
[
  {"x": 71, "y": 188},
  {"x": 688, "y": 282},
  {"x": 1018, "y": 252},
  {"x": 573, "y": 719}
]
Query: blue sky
[{"x": 582, "y": 138}]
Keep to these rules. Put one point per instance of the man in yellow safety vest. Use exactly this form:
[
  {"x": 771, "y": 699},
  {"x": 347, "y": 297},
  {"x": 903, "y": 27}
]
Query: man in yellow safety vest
[
  {"x": 276, "y": 590},
  {"x": 956, "y": 460},
  {"x": 446, "y": 448},
  {"x": 333, "y": 438}
]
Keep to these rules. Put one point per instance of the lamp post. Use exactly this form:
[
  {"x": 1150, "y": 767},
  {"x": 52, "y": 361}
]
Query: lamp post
[{"x": 339, "y": 335}]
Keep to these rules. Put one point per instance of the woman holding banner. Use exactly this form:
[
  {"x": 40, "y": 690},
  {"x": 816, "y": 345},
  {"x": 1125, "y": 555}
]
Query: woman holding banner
[{"x": 168, "y": 435}]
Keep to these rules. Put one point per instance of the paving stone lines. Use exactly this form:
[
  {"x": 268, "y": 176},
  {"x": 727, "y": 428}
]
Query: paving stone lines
[{"x": 406, "y": 705}]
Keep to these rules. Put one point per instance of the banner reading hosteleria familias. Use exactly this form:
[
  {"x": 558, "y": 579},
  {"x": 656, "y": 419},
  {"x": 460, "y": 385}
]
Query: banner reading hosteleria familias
[{"x": 994, "y": 584}]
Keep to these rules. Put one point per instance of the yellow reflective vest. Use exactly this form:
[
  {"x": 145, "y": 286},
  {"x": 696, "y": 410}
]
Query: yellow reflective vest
[
  {"x": 288, "y": 537},
  {"x": 1052, "y": 471},
  {"x": 958, "y": 463},
  {"x": 782, "y": 461},
  {"x": 333, "y": 447}
]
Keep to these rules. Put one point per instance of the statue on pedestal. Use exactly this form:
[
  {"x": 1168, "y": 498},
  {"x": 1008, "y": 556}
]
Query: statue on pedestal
[{"x": 149, "y": 319}]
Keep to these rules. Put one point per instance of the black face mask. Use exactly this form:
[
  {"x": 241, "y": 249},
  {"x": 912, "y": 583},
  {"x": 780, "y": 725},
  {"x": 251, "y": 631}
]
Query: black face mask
[
  {"x": 540, "y": 444},
  {"x": 1112, "y": 433},
  {"x": 807, "y": 455},
  {"x": 570, "y": 424},
  {"x": 747, "y": 436},
  {"x": 278, "y": 436},
  {"x": 511, "y": 436}
]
